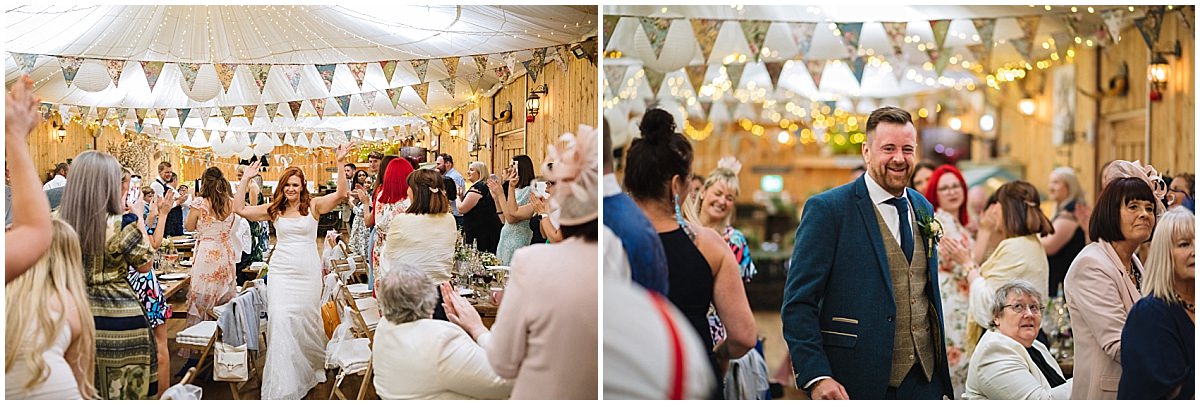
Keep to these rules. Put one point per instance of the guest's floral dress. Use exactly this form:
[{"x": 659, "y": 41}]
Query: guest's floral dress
[
  {"x": 359, "y": 232},
  {"x": 213, "y": 272},
  {"x": 952, "y": 282},
  {"x": 741, "y": 252},
  {"x": 383, "y": 217}
]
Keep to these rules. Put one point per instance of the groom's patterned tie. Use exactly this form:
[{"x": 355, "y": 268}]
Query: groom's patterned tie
[{"x": 906, "y": 235}]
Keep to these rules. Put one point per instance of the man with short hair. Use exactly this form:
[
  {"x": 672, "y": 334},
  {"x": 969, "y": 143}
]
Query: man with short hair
[
  {"x": 862, "y": 314},
  {"x": 445, "y": 165},
  {"x": 175, "y": 217},
  {"x": 160, "y": 184},
  {"x": 60, "y": 177},
  {"x": 373, "y": 160},
  {"x": 347, "y": 214}
]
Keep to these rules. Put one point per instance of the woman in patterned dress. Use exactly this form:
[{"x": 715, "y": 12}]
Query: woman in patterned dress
[
  {"x": 213, "y": 272},
  {"x": 146, "y": 285},
  {"x": 391, "y": 198},
  {"x": 947, "y": 191},
  {"x": 126, "y": 360},
  {"x": 360, "y": 199}
]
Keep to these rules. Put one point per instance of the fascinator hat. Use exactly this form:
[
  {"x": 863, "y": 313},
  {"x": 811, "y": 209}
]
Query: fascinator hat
[
  {"x": 575, "y": 170},
  {"x": 1120, "y": 169}
]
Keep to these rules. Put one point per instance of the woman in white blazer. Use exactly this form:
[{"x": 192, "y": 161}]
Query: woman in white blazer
[
  {"x": 1009, "y": 363},
  {"x": 416, "y": 357}
]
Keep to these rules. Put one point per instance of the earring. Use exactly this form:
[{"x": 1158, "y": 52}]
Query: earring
[{"x": 683, "y": 224}]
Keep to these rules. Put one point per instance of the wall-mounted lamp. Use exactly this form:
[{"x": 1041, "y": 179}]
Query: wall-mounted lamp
[
  {"x": 533, "y": 103},
  {"x": 1027, "y": 105},
  {"x": 59, "y": 131},
  {"x": 1160, "y": 70}
]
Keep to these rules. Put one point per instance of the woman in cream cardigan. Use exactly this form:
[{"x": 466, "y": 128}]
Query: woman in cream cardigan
[
  {"x": 425, "y": 234},
  {"x": 1009, "y": 362}
]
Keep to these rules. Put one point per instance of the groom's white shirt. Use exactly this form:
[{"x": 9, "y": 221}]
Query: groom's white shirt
[{"x": 880, "y": 197}]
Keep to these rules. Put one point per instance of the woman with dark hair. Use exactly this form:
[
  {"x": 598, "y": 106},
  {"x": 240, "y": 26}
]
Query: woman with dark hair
[
  {"x": 920, "y": 177},
  {"x": 391, "y": 198},
  {"x": 369, "y": 200},
  {"x": 359, "y": 200},
  {"x": 701, "y": 268},
  {"x": 515, "y": 207},
  {"x": 1105, "y": 279},
  {"x": 1019, "y": 220},
  {"x": 296, "y": 359},
  {"x": 213, "y": 272},
  {"x": 126, "y": 359},
  {"x": 947, "y": 192},
  {"x": 425, "y": 234},
  {"x": 481, "y": 220}
]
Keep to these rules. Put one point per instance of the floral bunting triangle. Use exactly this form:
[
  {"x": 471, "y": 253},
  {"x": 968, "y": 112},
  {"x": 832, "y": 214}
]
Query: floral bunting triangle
[
  {"x": 422, "y": 90},
  {"x": 1114, "y": 19},
  {"x": 850, "y": 33},
  {"x": 802, "y": 34},
  {"x": 655, "y": 80},
  {"x": 359, "y": 71},
  {"x": 755, "y": 32},
  {"x": 344, "y": 103},
  {"x": 983, "y": 56},
  {"x": 294, "y": 107},
  {"x": 510, "y": 60},
  {"x": 70, "y": 66},
  {"x": 480, "y": 63},
  {"x": 250, "y": 110},
  {"x": 695, "y": 74},
  {"x": 260, "y": 72},
  {"x": 420, "y": 66},
  {"x": 986, "y": 27},
  {"x": 503, "y": 73},
  {"x": 773, "y": 70},
  {"x": 535, "y": 65},
  {"x": 205, "y": 113},
  {"x": 1062, "y": 42},
  {"x": 706, "y": 31},
  {"x": 939, "y": 58},
  {"x": 615, "y": 74},
  {"x": 896, "y": 31},
  {"x": 1151, "y": 25},
  {"x": 448, "y": 84},
  {"x": 394, "y": 97},
  {"x": 451, "y": 64},
  {"x": 292, "y": 74},
  {"x": 562, "y": 55},
  {"x": 174, "y": 133},
  {"x": 160, "y": 114},
  {"x": 898, "y": 67},
  {"x": 183, "y": 114},
  {"x": 225, "y": 73},
  {"x": 858, "y": 65},
  {"x": 1029, "y": 27},
  {"x": 115, "y": 66},
  {"x": 152, "y": 71},
  {"x": 939, "y": 27},
  {"x": 272, "y": 109},
  {"x": 734, "y": 72},
  {"x": 25, "y": 61},
  {"x": 389, "y": 70},
  {"x": 189, "y": 71},
  {"x": 369, "y": 99},
  {"x": 326, "y": 72},
  {"x": 101, "y": 114},
  {"x": 122, "y": 113},
  {"x": 227, "y": 114},
  {"x": 610, "y": 23},
  {"x": 318, "y": 105},
  {"x": 815, "y": 69},
  {"x": 1024, "y": 47}
]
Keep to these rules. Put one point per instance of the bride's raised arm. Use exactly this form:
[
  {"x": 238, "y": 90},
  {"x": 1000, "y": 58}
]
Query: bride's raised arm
[
  {"x": 327, "y": 203},
  {"x": 250, "y": 212}
]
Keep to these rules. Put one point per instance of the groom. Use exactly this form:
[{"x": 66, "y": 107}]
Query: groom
[{"x": 861, "y": 311}]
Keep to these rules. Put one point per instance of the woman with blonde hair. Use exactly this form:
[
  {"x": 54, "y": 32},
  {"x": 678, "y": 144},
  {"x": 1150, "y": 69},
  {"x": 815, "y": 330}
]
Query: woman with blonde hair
[
  {"x": 481, "y": 220},
  {"x": 50, "y": 337},
  {"x": 1158, "y": 359},
  {"x": 1069, "y": 235}
]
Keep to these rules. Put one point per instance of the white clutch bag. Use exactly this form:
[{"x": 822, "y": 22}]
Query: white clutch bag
[{"x": 231, "y": 363}]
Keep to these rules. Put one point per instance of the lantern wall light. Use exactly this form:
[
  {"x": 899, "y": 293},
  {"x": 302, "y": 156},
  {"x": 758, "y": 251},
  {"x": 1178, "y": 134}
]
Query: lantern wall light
[
  {"x": 533, "y": 103},
  {"x": 1160, "y": 70}
]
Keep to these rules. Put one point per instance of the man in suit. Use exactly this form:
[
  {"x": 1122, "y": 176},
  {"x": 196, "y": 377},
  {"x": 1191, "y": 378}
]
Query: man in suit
[{"x": 861, "y": 311}]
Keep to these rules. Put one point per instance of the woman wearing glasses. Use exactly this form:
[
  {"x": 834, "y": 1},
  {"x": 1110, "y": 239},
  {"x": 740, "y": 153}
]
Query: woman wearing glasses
[
  {"x": 1009, "y": 362},
  {"x": 947, "y": 191}
]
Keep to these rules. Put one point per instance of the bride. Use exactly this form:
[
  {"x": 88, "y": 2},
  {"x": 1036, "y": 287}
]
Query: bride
[{"x": 295, "y": 336}]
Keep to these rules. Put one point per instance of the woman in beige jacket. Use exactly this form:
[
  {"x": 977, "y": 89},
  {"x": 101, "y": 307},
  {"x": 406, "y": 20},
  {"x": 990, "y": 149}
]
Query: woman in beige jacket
[{"x": 1103, "y": 282}]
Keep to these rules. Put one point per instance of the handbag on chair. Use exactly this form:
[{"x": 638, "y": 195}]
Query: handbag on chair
[{"x": 231, "y": 363}]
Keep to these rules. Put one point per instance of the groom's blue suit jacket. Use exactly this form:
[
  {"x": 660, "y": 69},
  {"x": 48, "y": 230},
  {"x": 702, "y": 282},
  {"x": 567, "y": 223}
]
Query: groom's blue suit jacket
[{"x": 840, "y": 271}]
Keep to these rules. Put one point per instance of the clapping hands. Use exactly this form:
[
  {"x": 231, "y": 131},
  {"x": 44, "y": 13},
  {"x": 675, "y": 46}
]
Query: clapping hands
[{"x": 460, "y": 312}]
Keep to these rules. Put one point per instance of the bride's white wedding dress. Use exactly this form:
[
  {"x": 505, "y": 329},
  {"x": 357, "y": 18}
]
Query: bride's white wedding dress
[{"x": 295, "y": 334}]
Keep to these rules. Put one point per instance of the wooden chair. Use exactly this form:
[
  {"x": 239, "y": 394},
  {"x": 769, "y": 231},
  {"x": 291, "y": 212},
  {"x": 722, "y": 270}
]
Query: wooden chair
[{"x": 361, "y": 329}]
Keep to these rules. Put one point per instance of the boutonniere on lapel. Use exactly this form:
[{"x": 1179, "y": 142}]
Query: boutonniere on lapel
[{"x": 931, "y": 230}]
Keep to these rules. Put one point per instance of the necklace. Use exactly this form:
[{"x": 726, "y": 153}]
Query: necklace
[{"x": 1191, "y": 306}]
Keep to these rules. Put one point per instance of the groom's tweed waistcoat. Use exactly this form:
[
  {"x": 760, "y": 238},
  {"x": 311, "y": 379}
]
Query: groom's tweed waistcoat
[{"x": 914, "y": 340}]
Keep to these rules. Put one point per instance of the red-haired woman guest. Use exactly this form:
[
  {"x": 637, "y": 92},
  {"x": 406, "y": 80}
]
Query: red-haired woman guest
[{"x": 947, "y": 191}]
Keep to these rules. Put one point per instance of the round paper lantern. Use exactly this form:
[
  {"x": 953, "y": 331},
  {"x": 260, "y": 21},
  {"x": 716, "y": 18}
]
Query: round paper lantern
[
  {"x": 92, "y": 77},
  {"x": 678, "y": 50},
  {"x": 264, "y": 146},
  {"x": 207, "y": 86},
  {"x": 246, "y": 153}
]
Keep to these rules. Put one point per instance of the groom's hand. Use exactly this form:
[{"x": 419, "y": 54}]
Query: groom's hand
[{"x": 829, "y": 389}]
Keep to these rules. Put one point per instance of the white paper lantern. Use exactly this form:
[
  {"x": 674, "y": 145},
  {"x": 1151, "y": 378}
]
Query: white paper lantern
[
  {"x": 264, "y": 146},
  {"x": 678, "y": 50},
  {"x": 92, "y": 77},
  {"x": 246, "y": 153},
  {"x": 207, "y": 86}
]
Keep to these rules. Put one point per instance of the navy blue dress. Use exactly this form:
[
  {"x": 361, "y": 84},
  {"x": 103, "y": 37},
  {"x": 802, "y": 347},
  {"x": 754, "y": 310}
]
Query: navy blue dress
[{"x": 1158, "y": 351}]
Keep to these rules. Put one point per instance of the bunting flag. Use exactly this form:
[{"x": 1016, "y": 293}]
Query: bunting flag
[
  {"x": 695, "y": 74},
  {"x": 1113, "y": 20},
  {"x": 802, "y": 34},
  {"x": 610, "y": 23},
  {"x": 474, "y": 80},
  {"x": 939, "y": 28},
  {"x": 140, "y": 114},
  {"x": 562, "y": 54},
  {"x": 850, "y": 35},
  {"x": 755, "y": 32},
  {"x": 815, "y": 69},
  {"x": 422, "y": 91},
  {"x": 898, "y": 66},
  {"x": 349, "y": 135},
  {"x": 773, "y": 70},
  {"x": 389, "y": 70},
  {"x": 189, "y": 71},
  {"x": 480, "y": 63},
  {"x": 260, "y": 72},
  {"x": 451, "y": 64},
  {"x": 359, "y": 71},
  {"x": 122, "y": 113},
  {"x": 326, "y": 72},
  {"x": 1062, "y": 42},
  {"x": 115, "y": 67},
  {"x": 254, "y": 138},
  {"x": 1024, "y": 47},
  {"x": 344, "y": 103},
  {"x": 896, "y": 31},
  {"x": 707, "y": 107},
  {"x": 249, "y": 111},
  {"x": 160, "y": 114},
  {"x": 225, "y": 73},
  {"x": 503, "y": 73},
  {"x": 319, "y": 105},
  {"x": 615, "y": 74},
  {"x": 70, "y": 66},
  {"x": 1072, "y": 22},
  {"x": 1029, "y": 27},
  {"x": 227, "y": 114},
  {"x": 655, "y": 80},
  {"x": 983, "y": 56},
  {"x": 101, "y": 113},
  {"x": 706, "y": 31},
  {"x": 205, "y": 113},
  {"x": 420, "y": 66},
  {"x": 731, "y": 108},
  {"x": 986, "y": 27},
  {"x": 939, "y": 59},
  {"x": 734, "y": 72},
  {"x": 1188, "y": 15},
  {"x": 183, "y": 114},
  {"x": 510, "y": 60},
  {"x": 369, "y": 99},
  {"x": 394, "y": 96},
  {"x": 295, "y": 109},
  {"x": 292, "y": 74},
  {"x": 538, "y": 62},
  {"x": 1151, "y": 25},
  {"x": 272, "y": 109},
  {"x": 858, "y": 65},
  {"x": 448, "y": 84},
  {"x": 25, "y": 61}
]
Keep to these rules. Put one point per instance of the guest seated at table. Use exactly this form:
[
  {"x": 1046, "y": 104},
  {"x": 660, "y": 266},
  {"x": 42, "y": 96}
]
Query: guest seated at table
[
  {"x": 417, "y": 357},
  {"x": 1009, "y": 363}
]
